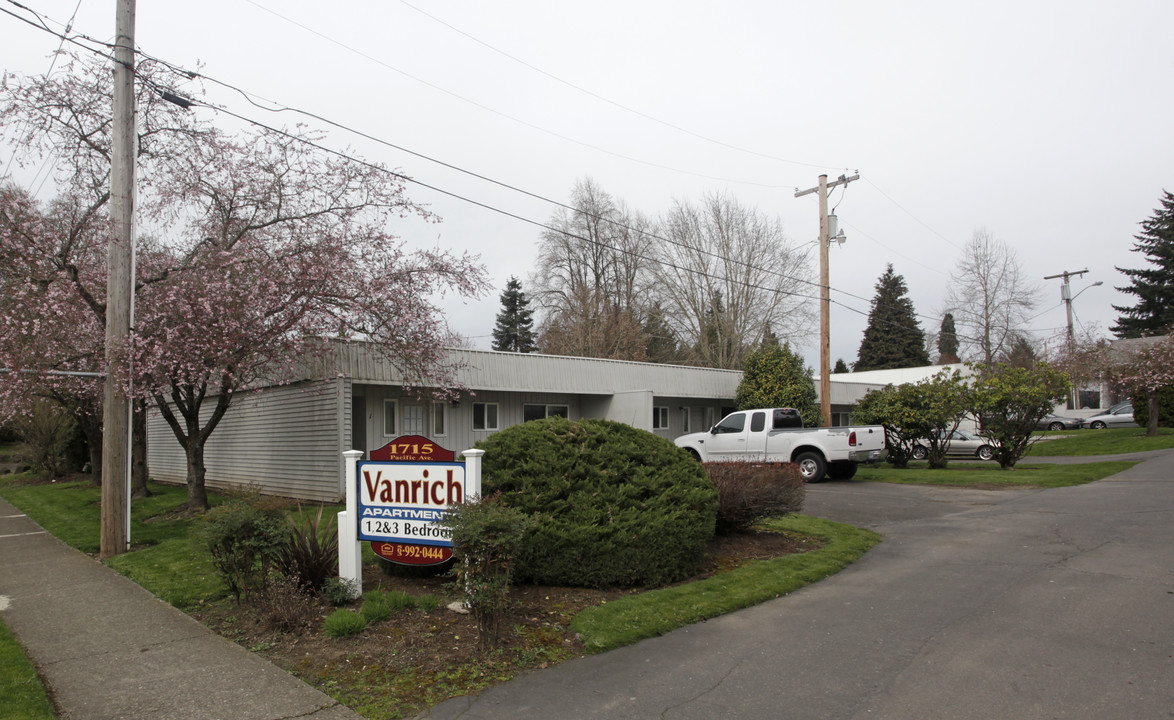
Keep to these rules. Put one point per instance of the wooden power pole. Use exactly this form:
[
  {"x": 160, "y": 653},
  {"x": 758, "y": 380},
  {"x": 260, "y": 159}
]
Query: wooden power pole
[
  {"x": 825, "y": 301},
  {"x": 119, "y": 260}
]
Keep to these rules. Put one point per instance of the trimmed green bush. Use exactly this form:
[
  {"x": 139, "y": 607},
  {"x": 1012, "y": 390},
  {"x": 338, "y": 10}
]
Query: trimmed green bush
[
  {"x": 612, "y": 505},
  {"x": 749, "y": 492},
  {"x": 343, "y": 623}
]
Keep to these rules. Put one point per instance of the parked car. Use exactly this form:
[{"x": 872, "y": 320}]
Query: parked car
[
  {"x": 962, "y": 444},
  {"x": 1055, "y": 422},
  {"x": 1120, "y": 415}
]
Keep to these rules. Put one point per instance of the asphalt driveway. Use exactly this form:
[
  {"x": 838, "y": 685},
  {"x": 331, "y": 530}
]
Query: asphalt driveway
[{"x": 979, "y": 604}]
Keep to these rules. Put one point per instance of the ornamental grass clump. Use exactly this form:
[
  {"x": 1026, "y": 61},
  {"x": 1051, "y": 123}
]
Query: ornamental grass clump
[
  {"x": 343, "y": 623},
  {"x": 311, "y": 555},
  {"x": 613, "y": 506}
]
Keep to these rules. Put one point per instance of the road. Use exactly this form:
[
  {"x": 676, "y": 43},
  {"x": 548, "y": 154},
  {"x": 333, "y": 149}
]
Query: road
[{"x": 983, "y": 605}]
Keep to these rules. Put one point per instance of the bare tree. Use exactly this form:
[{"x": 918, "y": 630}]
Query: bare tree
[
  {"x": 989, "y": 297},
  {"x": 590, "y": 275},
  {"x": 726, "y": 274}
]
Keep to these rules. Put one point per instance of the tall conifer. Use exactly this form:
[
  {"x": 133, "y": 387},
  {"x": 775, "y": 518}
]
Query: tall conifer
[
  {"x": 1154, "y": 312},
  {"x": 514, "y": 331},
  {"x": 893, "y": 339}
]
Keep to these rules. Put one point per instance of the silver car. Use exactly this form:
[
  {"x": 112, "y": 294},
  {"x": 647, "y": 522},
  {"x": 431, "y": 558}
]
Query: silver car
[
  {"x": 1120, "y": 415},
  {"x": 962, "y": 444}
]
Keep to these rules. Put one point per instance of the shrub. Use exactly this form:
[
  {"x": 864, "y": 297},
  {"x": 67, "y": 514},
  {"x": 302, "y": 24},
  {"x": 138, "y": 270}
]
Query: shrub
[
  {"x": 749, "y": 492},
  {"x": 613, "y": 505},
  {"x": 338, "y": 591},
  {"x": 283, "y": 606},
  {"x": 486, "y": 536},
  {"x": 311, "y": 555},
  {"x": 1141, "y": 407},
  {"x": 243, "y": 542},
  {"x": 49, "y": 431},
  {"x": 343, "y": 623}
]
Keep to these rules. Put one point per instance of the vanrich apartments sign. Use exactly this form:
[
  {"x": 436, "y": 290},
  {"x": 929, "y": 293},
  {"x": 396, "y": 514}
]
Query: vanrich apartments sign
[{"x": 398, "y": 499}]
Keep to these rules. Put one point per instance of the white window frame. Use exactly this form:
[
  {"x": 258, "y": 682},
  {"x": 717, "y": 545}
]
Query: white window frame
[
  {"x": 660, "y": 417},
  {"x": 393, "y": 407},
  {"x": 439, "y": 419},
  {"x": 547, "y": 409},
  {"x": 406, "y": 411},
  {"x": 485, "y": 417}
]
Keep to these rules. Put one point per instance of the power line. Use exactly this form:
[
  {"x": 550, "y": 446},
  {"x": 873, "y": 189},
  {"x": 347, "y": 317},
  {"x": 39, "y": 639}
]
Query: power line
[
  {"x": 602, "y": 98},
  {"x": 249, "y": 97}
]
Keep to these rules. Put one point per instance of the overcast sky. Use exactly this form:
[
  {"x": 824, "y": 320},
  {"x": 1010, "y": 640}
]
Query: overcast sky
[{"x": 1048, "y": 124}]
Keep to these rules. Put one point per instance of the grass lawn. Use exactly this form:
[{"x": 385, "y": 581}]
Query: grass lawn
[
  {"x": 23, "y": 695},
  {"x": 1113, "y": 441}
]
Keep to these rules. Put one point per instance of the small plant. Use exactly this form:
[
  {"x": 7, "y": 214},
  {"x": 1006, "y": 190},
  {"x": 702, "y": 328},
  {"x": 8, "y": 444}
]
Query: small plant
[
  {"x": 486, "y": 536},
  {"x": 283, "y": 606},
  {"x": 343, "y": 623},
  {"x": 748, "y": 492},
  {"x": 375, "y": 608},
  {"x": 244, "y": 543},
  {"x": 311, "y": 555},
  {"x": 338, "y": 591},
  {"x": 428, "y": 602}
]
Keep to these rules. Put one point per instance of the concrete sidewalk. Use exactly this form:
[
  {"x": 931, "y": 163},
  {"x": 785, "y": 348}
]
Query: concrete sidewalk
[{"x": 106, "y": 648}]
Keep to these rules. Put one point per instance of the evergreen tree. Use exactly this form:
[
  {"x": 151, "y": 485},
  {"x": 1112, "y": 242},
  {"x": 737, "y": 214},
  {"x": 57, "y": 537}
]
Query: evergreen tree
[
  {"x": 660, "y": 338},
  {"x": 841, "y": 366},
  {"x": 769, "y": 339},
  {"x": 776, "y": 377},
  {"x": 1154, "y": 312},
  {"x": 514, "y": 331},
  {"x": 893, "y": 339},
  {"x": 1020, "y": 355},
  {"x": 948, "y": 342}
]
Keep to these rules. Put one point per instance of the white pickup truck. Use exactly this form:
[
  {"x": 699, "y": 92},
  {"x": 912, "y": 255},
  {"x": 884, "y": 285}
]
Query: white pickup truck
[{"x": 778, "y": 435}]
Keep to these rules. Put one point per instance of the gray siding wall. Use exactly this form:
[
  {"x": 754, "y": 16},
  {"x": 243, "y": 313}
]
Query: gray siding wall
[{"x": 287, "y": 440}]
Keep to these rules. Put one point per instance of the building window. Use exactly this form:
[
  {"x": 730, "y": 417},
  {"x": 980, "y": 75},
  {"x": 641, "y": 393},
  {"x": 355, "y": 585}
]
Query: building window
[
  {"x": 389, "y": 407},
  {"x": 439, "y": 419},
  {"x": 686, "y": 417},
  {"x": 538, "y": 412},
  {"x": 708, "y": 418},
  {"x": 414, "y": 419},
  {"x": 484, "y": 416},
  {"x": 660, "y": 418}
]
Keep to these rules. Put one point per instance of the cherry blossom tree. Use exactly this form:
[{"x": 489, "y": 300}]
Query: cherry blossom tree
[
  {"x": 254, "y": 246},
  {"x": 1145, "y": 365}
]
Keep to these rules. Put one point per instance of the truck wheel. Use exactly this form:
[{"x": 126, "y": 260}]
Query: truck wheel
[
  {"x": 842, "y": 470},
  {"x": 919, "y": 452},
  {"x": 693, "y": 454},
  {"x": 986, "y": 452},
  {"x": 811, "y": 466}
]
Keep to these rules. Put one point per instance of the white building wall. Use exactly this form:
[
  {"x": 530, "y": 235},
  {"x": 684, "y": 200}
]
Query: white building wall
[{"x": 286, "y": 439}]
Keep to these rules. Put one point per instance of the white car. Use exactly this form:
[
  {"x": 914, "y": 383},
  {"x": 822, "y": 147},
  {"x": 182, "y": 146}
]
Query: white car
[
  {"x": 1120, "y": 415},
  {"x": 962, "y": 444}
]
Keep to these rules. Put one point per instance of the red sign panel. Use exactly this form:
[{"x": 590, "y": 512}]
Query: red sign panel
[
  {"x": 412, "y": 448},
  {"x": 411, "y": 554}
]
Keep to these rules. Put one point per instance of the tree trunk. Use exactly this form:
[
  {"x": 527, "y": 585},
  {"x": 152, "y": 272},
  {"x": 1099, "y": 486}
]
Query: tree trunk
[
  {"x": 92, "y": 429},
  {"x": 197, "y": 494},
  {"x": 1151, "y": 396},
  {"x": 138, "y": 465}
]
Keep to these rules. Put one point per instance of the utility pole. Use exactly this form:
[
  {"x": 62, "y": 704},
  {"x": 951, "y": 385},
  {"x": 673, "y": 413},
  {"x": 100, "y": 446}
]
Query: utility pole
[
  {"x": 825, "y": 302},
  {"x": 119, "y": 262},
  {"x": 1066, "y": 296}
]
